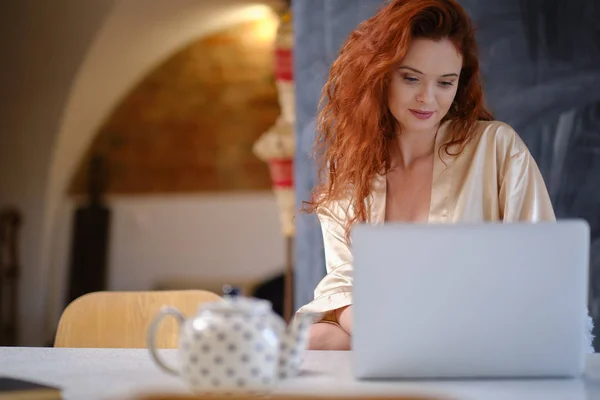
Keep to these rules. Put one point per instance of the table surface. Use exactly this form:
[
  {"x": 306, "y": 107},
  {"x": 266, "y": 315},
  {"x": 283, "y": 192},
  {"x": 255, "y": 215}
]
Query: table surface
[{"x": 124, "y": 373}]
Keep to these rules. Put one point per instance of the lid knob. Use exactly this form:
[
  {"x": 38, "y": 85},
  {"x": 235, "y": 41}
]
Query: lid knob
[{"x": 231, "y": 291}]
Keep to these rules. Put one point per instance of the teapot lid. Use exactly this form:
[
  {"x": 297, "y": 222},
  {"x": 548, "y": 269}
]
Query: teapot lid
[{"x": 233, "y": 301}]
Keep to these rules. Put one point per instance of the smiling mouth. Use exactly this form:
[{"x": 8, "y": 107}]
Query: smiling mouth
[{"x": 421, "y": 114}]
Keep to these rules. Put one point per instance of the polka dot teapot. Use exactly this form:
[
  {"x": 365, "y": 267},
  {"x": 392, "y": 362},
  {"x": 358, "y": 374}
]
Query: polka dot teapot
[{"x": 234, "y": 345}]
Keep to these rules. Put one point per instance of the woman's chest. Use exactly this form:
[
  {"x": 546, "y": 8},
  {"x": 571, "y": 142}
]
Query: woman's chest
[
  {"x": 459, "y": 191},
  {"x": 408, "y": 194}
]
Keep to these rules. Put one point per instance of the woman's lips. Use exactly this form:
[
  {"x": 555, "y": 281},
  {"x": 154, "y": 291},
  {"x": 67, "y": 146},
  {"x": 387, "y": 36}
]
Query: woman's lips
[{"x": 421, "y": 114}]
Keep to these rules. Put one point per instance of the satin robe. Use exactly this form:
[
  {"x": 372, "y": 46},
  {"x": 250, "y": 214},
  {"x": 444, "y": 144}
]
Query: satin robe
[{"x": 494, "y": 178}]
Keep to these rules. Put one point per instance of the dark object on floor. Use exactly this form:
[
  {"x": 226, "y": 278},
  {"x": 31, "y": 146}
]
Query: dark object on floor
[
  {"x": 272, "y": 290},
  {"x": 89, "y": 250},
  {"x": 10, "y": 223}
]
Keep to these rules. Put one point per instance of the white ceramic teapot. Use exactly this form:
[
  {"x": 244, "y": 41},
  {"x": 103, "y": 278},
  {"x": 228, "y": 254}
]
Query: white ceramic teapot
[{"x": 235, "y": 345}]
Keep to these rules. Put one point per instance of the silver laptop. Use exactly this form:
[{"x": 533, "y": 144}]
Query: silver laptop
[{"x": 470, "y": 301}]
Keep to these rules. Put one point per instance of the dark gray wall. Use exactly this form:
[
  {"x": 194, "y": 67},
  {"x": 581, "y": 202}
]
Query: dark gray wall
[
  {"x": 541, "y": 69},
  {"x": 320, "y": 28}
]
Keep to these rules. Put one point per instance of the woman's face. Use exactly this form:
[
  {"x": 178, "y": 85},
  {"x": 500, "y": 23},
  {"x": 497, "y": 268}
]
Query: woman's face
[{"x": 423, "y": 86}]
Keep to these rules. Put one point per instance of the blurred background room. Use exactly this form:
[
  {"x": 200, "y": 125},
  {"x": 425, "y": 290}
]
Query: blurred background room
[
  {"x": 128, "y": 139},
  {"x": 166, "y": 144}
]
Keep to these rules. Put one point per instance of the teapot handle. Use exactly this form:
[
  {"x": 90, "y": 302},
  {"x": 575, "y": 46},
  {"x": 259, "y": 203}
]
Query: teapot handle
[{"x": 165, "y": 311}]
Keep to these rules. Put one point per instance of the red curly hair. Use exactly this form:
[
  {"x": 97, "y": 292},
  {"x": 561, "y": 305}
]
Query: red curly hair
[{"x": 354, "y": 122}]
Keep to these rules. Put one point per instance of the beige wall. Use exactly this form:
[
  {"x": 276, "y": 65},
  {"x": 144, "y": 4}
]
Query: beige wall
[
  {"x": 70, "y": 61},
  {"x": 42, "y": 44}
]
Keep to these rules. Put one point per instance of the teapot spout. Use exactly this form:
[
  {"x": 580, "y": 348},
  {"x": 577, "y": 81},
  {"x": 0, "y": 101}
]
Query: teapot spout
[{"x": 293, "y": 345}]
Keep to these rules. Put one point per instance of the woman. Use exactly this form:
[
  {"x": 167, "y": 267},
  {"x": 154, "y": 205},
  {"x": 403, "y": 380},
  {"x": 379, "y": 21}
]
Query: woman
[{"x": 404, "y": 136}]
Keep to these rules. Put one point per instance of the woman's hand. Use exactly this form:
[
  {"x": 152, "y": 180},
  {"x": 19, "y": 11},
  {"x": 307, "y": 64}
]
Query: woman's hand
[
  {"x": 344, "y": 318},
  {"x": 326, "y": 336}
]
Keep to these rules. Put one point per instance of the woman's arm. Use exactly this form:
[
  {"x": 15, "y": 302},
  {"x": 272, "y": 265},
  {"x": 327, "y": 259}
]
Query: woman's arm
[
  {"x": 333, "y": 294},
  {"x": 523, "y": 196}
]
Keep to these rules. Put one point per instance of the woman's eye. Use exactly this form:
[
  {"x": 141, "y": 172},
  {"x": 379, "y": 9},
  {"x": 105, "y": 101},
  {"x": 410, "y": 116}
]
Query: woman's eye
[
  {"x": 445, "y": 83},
  {"x": 410, "y": 79}
]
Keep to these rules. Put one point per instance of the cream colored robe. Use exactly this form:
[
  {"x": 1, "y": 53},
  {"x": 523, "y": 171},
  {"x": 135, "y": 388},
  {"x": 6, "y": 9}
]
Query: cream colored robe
[{"x": 495, "y": 178}]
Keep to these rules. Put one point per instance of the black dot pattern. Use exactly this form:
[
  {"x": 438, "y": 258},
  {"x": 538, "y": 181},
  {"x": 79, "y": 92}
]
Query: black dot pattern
[{"x": 233, "y": 354}]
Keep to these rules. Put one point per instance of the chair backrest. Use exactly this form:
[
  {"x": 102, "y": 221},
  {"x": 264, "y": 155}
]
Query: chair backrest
[{"x": 121, "y": 319}]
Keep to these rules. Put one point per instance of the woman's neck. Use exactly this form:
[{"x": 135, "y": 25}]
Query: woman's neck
[{"x": 409, "y": 147}]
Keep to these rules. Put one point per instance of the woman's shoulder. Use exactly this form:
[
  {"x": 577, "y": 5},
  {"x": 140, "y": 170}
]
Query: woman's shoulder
[
  {"x": 339, "y": 208},
  {"x": 501, "y": 136},
  {"x": 343, "y": 208}
]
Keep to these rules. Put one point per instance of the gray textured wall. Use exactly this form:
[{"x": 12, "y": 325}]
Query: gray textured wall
[
  {"x": 541, "y": 69},
  {"x": 320, "y": 28}
]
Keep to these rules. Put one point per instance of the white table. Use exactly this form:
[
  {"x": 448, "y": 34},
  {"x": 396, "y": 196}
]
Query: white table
[{"x": 92, "y": 374}]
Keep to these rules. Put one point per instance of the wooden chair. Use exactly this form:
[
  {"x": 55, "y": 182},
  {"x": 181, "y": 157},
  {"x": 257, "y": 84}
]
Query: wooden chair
[{"x": 121, "y": 319}]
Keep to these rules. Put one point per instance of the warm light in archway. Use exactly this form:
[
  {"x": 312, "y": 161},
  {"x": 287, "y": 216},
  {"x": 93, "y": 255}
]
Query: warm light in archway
[{"x": 267, "y": 28}]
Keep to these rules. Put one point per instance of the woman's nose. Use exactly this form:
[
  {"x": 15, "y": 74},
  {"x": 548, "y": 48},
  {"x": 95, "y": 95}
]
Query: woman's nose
[{"x": 425, "y": 94}]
